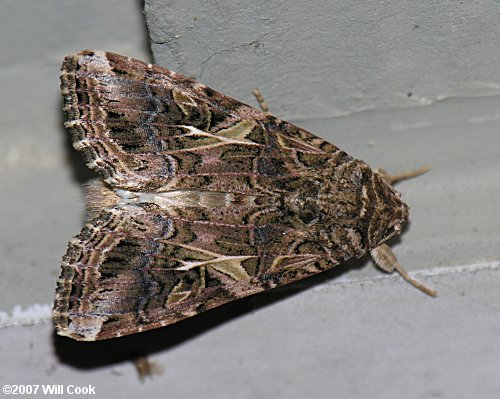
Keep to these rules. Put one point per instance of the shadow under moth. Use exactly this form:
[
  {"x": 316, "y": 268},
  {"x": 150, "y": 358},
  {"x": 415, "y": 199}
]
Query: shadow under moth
[{"x": 203, "y": 200}]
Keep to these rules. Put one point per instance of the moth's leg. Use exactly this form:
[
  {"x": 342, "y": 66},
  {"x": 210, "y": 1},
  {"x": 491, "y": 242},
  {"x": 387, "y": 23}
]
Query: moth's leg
[
  {"x": 146, "y": 368},
  {"x": 386, "y": 260},
  {"x": 391, "y": 179},
  {"x": 260, "y": 100}
]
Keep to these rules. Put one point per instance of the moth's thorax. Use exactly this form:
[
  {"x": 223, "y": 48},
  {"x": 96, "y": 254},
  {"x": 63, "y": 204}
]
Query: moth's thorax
[{"x": 355, "y": 198}]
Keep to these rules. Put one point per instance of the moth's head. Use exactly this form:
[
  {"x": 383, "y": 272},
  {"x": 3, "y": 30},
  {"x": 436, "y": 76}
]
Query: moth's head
[
  {"x": 355, "y": 198},
  {"x": 388, "y": 212}
]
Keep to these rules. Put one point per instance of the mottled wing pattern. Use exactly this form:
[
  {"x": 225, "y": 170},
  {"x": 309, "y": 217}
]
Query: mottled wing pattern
[
  {"x": 214, "y": 200},
  {"x": 142, "y": 126},
  {"x": 128, "y": 272}
]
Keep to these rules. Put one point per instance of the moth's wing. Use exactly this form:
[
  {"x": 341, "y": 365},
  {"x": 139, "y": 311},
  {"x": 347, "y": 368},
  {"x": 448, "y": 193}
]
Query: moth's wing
[
  {"x": 141, "y": 126},
  {"x": 109, "y": 110},
  {"x": 148, "y": 129},
  {"x": 128, "y": 272}
]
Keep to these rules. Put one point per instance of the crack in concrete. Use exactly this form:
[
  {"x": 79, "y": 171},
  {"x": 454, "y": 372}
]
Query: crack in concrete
[
  {"x": 255, "y": 43},
  {"x": 171, "y": 39}
]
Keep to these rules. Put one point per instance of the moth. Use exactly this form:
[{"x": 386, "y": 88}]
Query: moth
[{"x": 203, "y": 200}]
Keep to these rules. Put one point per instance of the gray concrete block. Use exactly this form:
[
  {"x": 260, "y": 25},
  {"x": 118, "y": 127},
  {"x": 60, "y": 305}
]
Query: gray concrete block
[{"x": 328, "y": 58}]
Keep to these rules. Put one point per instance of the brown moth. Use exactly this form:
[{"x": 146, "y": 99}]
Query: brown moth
[{"x": 203, "y": 200}]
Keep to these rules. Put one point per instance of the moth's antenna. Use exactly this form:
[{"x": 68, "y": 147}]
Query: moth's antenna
[
  {"x": 260, "y": 99},
  {"x": 391, "y": 179}
]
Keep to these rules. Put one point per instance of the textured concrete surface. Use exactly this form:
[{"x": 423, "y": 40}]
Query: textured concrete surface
[
  {"x": 39, "y": 175},
  {"x": 326, "y": 58},
  {"x": 351, "y": 333}
]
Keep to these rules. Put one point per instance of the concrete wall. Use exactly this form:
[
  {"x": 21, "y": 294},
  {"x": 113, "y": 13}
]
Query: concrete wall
[
  {"x": 327, "y": 58},
  {"x": 40, "y": 175}
]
